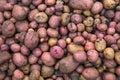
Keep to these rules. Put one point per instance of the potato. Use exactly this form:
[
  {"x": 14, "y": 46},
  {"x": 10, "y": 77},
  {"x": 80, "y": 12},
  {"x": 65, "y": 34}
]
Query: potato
[
  {"x": 109, "y": 14},
  {"x": 2, "y": 3},
  {"x": 26, "y": 68},
  {"x": 65, "y": 18},
  {"x": 72, "y": 48},
  {"x": 102, "y": 27},
  {"x": 76, "y": 18},
  {"x": 26, "y": 78},
  {"x": 110, "y": 63},
  {"x": 87, "y": 73},
  {"x": 52, "y": 32},
  {"x": 1, "y": 18},
  {"x": 19, "y": 12},
  {"x": 19, "y": 60},
  {"x": 117, "y": 27},
  {"x": 50, "y": 10},
  {"x": 62, "y": 43},
  {"x": 89, "y": 46},
  {"x": 52, "y": 41},
  {"x": 100, "y": 44},
  {"x": 109, "y": 53},
  {"x": 31, "y": 39},
  {"x": 92, "y": 55},
  {"x": 117, "y": 70},
  {"x": 2, "y": 75},
  {"x": 37, "y": 52},
  {"x": 80, "y": 4},
  {"x": 50, "y": 2},
  {"x": 41, "y": 17},
  {"x": 36, "y": 2},
  {"x": 21, "y": 26},
  {"x": 78, "y": 40},
  {"x": 34, "y": 75},
  {"x": 110, "y": 39},
  {"x": 32, "y": 59},
  {"x": 74, "y": 76},
  {"x": 47, "y": 59},
  {"x": 47, "y": 71},
  {"x": 4, "y": 66},
  {"x": 66, "y": 9},
  {"x": 26, "y": 2},
  {"x": 80, "y": 27},
  {"x": 117, "y": 57},
  {"x": 88, "y": 21},
  {"x": 59, "y": 7},
  {"x": 8, "y": 29},
  {"x": 20, "y": 36},
  {"x": 15, "y": 47},
  {"x": 24, "y": 50},
  {"x": 109, "y": 76},
  {"x": 65, "y": 64},
  {"x": 109, "y": 4},
  {"x": 80, "y": 56},
  {"x": 32, "y": 13},
  {"x": 54, "y": 21},
  {"x": 56, "y": 52},
  {"x": 97, "y": 7},
  {"x": 44, "y": 46},
  {"x": 117, "y": 16},
  {"x": 12, "y": 67},
  {"x": 35, "y": 67},
  {"x": 42, "y": 7},
  {"x": 18, "y": 74},
  {"x": 72, "y": 27},
  {"x": 4, "y": 56}
]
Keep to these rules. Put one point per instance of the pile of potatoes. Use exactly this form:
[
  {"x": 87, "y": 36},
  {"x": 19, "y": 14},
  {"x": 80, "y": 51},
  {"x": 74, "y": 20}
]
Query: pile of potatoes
[{"x": 59, "y": 39}]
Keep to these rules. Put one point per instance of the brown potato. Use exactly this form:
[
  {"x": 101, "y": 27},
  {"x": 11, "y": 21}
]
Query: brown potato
[
  {"x": 34, "y": 75},
  {"x": 65, "y": 18},
  {"x": 1, "y": 18},
  {"x": 65, "y": 64},
  {"x": 117, "y": 57},
  {"x": 109, "y": 76},
  {"x": 109, "y": 4},
  {"x": 100, "y": 44},
  {"x": 26, "y": 69}
]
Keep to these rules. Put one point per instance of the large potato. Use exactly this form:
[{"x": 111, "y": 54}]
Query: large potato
[{"x": 100, "y": 44}]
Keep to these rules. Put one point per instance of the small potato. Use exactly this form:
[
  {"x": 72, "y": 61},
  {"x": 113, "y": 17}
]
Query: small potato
[
  {"x": 117, "y": 27},
  {"x": 88, "y": 21},
  {"x": 19, "y": 75},
  {"x": 59, "y": 7},
  {"x": 78, "y": 40},
  {"x": 2, "y": 75},
  {"x": 92, "y": 55},
  {"x": 50, "y": 2},
  {"x": 34, "y": 75},
  {"x": 102, "y": 27},
  {"x": 47, "y": 59},
  {"x": 109, "y": 4},
  {"x": 118, "y": 43},
  {"x": 117, "y": 70},
  {"x": 62, "y": 43},
  {"x": 20, "y": 36},
  {"x": 80, "y": 56},
  {"x": 26, "y": 69},
  {"x": 19, "y": 60},
  {"x": 74, "y": 76},
  {"x": 65, "y": 18},
  {"x": 109, "y": 53},
  {"x": 32, "y": 59},
  {"x": 97, "y": 7},
  {"x": 2, "y": 3},
  {"x": 65, "y": 64},
  {"x": 72, "y": 48},
  {"x": 52, "y": 32},
  {"x": 44, "y": 46},
  {"x": 56, "y": 52},
  {"x": 31, "y": 39},
  {"x": 117, "y": 16},
  {"x": 50, "y": 10},
  {"x": 42, "y": 7},
  {"x": 109, "y": 13},
  {"x": 54, "y": 21},
  {"x": 8, "y": 29},
  {"x": 66, "y": 9},
  {"x": 87, "y": 73},
  {"x": 89, "y": 46},
  {"x": 32, "y": 13},
  {"x": 15, "y": 47},
  {"x": 37, "y": 52},
  {"x": 24, "y": 50},
  {"x": 4, "y": 56},
  {"x": 41, "y": 17},
  {"x": 100, "y": 44},
  {"x": 79, "y": 69},
  {"x": 52, "y": 41},
  {"x": 110, "y": 39},
  {"x": 42, "y": 32},
  {"x": 80, "y": 27},
  {"x": 72, "y": 27},
  {"x": 47, "y": 71},
  {"x": 21, "y": 26},
  {"x": 35, "y": 67},
  {"x": 1, "y": 18},
  {"x": 26, "y": 2},
  {"x": 36, "y": 2},
  {"x": 110, "y": 63},
  {"x": 4, "y": 47},
  {"x": 117, "y": 57},
  {"x": 109, "y": 76},
  {"x": 76, "y": 18},
  {"x": 26, "y": 78},
  {"x": 19, "y": 12}
]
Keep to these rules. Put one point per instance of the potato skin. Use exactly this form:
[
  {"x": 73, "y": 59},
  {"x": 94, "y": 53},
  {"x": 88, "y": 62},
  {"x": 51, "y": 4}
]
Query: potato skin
[
  {"x": 100, "y": 44},
  {"x": 31, "y": 39},
  {"x": 8, "y": 29},
  {"x": 65, "y": 64},
  {"x": 52, "y": 32},
  {"x": 109, "y": 53},
  {"x": 34, "y": 75},
  {"x": 117, "y": 57},
  {"x": 109, "y": 76},
  {"x": 87, "y": 73},
  {"x": 18, "y": 74},
  {"x": 65, "y": 18}
]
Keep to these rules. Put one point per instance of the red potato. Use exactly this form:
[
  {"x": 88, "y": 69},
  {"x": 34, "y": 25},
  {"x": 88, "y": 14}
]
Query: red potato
[
  {"x": 54, "y": 21},
  {"x": 102, "y": 27},
  {"x": 110, "y": 63},
  {"x": 50, "y": 10},
  {"x": 72, "y": 27},
  {"x": 8, "y": 29},
  {"x": 15, "y": 47},
  {"x": 109, "y": 76},
  {"x": 42, "y": 32},
  {"x": 47, "y": 59},
  {"x": 76, "y": 18},
  {"x": 4, "y": 56},
  {"x": 26, "y": 2},
  {"x": 24, "y": 50},
  {"x": 42, "y": 7},
  {"x": 62, "y": 43},
  {"x": 117, "y": 16},
  {"x": 19, "y": 59},
  {"x": 92, "y": 55},
  {"x": 7, "y": 14},
  {"x": 20, "y": 36},
  {"x": 117, "y": 70},
  {"x": 8, "y": 6},
  {"x": 37, "y": 52},
  {"x": 4, "y": 47},
  {"x": 117, "y": 27},
  {"x": 19, "y": 75},
  {"x": 32, "y": 13},
  {"x": 52, "y": 32},
  {"x": 59, "y": 7},
  {"x": 56, "y": 52},
  {"x": 19, "y": 12},
  {"x": 33, "y": 24},
  {"x": 78, "y": 40},
  {"x": 110, "y": 39},
  {"x": 87, "y": 73},
  {"x": 32, "y": 59},
  {"x": 13, "y": 2},
  {"x": 65, "y": 64},
  {"x": 50, "y": 2},
  {"x": 4, "y": 66},
  {"x": 109, "y": 13},
  {"x": 1, "y": 18},
  {"x": 2, "y": 75},
  {"x": 35, "y": 67},
  {"x": 31, "y": 39},
  {"x": 80, "y": 56},
  {"x": 36, "y": 2},
  {"x": 10, "y": 41},
  {"x": 110, "y": 31},
  {"x": 1, "y": 41},
  {"x": 2, "y": 3},
  {"x": 80, "y": 69},
  {"x": 89, "y": 46},
  {"x": 97, "y": 7},
  {"x": 44, "y": 47},
  {"x": 72, "y": 35},
  {"x": 21, "y": 26},
  {"x": 115, "y": 47}
]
